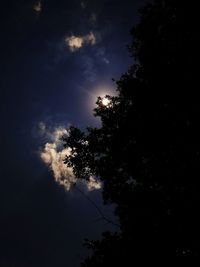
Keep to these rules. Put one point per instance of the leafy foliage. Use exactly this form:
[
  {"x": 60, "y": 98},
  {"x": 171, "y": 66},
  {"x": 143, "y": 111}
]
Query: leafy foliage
[{"x": 147, "y": 151}]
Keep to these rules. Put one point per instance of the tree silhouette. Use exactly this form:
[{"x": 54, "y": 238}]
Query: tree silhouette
[{"x": 147, "y": 150}]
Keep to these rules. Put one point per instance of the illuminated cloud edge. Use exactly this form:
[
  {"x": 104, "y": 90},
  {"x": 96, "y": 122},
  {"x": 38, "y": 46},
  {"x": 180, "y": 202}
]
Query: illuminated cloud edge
[
  {"x": 74, "y": 43},
  {"x": 53, "y": 154}
]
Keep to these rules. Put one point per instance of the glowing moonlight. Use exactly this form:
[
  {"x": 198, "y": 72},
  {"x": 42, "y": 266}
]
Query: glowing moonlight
[{"x": 105, "y": 101}]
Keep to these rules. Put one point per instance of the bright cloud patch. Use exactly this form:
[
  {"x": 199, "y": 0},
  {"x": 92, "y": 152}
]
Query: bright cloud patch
[
  {"x": 54, "y": 159},
  {"x": 76, "y": 42},
  {"x": 53, "y": 155}
]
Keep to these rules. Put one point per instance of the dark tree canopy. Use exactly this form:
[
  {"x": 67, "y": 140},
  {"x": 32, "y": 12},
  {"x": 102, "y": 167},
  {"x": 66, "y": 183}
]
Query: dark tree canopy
[{"x": 147, "y": 150}]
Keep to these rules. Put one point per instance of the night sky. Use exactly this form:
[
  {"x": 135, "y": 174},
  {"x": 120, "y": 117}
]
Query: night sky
[{"x": 56, "y": 57}]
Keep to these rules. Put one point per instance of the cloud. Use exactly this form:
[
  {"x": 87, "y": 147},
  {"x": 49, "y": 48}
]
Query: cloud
[
  {"x": 90, "y": 38},
  {"x": 83, "y": 4},
  {"x": 42, "y": 128},
  {"x": 101, "y": 55},
  {"x": 93, "y": 184},
  {"x": 38, "y": 7},
  {"x": 74, "y": 43},
  {"x": 93, "y": 19},
  {"x": 105, "y": 60},
  {"x": 53, "y": 155},
  {"x": 54, "y": 159}
]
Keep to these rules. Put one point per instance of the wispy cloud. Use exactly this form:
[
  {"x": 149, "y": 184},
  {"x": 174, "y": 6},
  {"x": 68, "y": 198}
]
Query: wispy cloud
[
  {"x": 90, "y": 38},
  {"x": 74, "y": 43},
  {"x": 105, "y": 60},
  {"x": 83, "y": 4},
  {"x": 101, "y": 55},
  {"x": 93, "y": 19},
  {"x": 37, "y": 7},
  {"x": 53, "y": 155}
]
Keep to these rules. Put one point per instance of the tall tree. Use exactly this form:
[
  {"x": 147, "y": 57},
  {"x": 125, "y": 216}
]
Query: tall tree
[{"x": 147, "y": 150}]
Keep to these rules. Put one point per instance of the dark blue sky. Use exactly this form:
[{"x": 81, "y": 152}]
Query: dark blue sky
[{"x": 42, "y": 80}]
